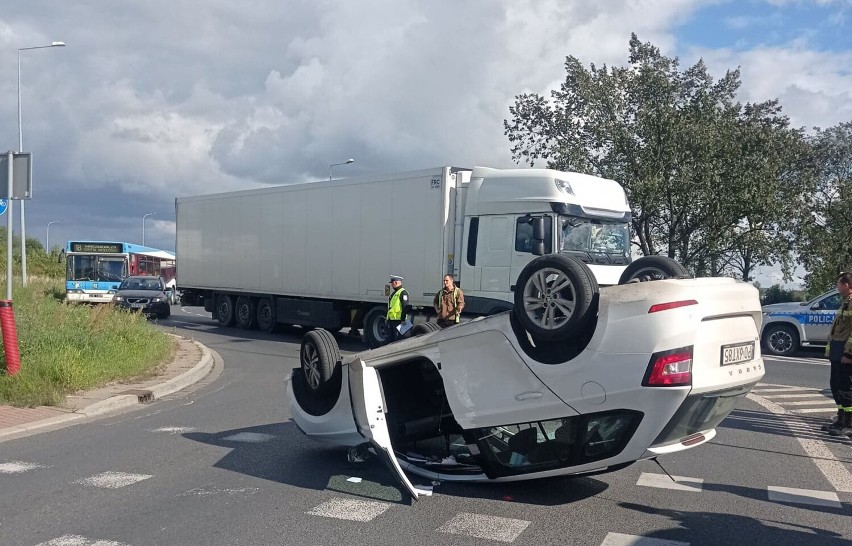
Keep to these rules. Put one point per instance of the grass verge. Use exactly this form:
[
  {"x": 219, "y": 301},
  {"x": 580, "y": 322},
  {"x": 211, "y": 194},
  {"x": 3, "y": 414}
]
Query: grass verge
[{"x": 68, "y": 348}]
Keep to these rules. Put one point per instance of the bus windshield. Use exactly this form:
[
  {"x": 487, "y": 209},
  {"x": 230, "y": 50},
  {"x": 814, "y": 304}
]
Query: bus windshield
[
  {"x": 96, "y": 268},
  {"x": 595, "y": 238}
]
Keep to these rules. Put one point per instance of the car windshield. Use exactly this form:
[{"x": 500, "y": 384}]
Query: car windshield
[
  {"x": 593, "y": 236},
  {"x": 141, "y": 284}
]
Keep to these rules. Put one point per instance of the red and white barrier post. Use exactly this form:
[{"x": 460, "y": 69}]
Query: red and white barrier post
[{"x": 10, "y": 337}]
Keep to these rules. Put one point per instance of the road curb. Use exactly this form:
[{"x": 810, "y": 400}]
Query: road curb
[{"x": 120, "y": 401}]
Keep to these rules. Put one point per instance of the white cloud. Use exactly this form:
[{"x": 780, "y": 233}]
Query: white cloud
[{"x": 158, "y": 99}]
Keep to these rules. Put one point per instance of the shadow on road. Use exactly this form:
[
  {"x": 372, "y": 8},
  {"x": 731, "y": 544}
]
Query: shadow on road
[
  {"x": 793, "y": 426},
  {"x": 710, "y": 528},
  {"x": 281, "y": 453}
]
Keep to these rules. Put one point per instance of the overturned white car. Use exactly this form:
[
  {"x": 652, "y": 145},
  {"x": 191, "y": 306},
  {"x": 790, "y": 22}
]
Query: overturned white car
[{"x": 575, "y": 379}]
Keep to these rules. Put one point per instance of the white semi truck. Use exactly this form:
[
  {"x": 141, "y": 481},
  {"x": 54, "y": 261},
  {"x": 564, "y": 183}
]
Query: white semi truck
[{"x": 319, "y": 254}]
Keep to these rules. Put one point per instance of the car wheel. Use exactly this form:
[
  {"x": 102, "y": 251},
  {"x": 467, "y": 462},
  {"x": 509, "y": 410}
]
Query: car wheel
[
  {"x": 164, "y": 314},
  {"x": 245, "y": 313},
  {"x": 424, "y": 328},
  {"x": 781, "y": 339},
  {"x": 556, "y": 298},
  {"x": 265, "y": 315},
  {"x": 319, "y": 355},
  {"x": 225, "y": 309},
  {"x": 376, "y": 331},
  {"x": 652, "y": 268}
]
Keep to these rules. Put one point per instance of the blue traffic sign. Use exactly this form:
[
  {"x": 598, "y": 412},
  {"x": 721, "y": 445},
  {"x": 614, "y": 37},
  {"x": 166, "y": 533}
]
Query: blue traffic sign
[{"x": 4, "y": 204}]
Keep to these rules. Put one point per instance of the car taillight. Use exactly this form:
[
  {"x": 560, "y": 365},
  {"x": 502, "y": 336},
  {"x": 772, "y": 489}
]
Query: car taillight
[
  {"x": 671, "y": 305},
  {"x": 669, "y": 369}
]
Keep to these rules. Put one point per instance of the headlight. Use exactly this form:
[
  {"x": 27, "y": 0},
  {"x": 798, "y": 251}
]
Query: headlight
[
  {"x": 117, "y": 298},
  {"x": 73, "y": 291},
  {"x": 158, "y": 299}
]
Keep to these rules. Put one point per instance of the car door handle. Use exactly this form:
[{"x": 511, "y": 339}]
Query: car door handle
[{"x": 529, "y": 395}]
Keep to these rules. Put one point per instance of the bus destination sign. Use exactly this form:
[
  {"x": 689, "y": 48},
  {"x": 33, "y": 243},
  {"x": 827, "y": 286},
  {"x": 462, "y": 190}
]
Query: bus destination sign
[{"x": 103, "y": 248}]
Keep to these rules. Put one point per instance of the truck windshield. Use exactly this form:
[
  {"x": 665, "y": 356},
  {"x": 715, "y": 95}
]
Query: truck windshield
[{"x": 606, "y": 241}]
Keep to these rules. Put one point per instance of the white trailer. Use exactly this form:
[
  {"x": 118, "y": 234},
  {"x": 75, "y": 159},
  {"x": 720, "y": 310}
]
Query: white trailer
[{"x": 320, "y": 253}]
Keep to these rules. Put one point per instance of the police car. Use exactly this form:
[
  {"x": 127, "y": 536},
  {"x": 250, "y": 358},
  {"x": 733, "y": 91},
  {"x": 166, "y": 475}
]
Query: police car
[
  {"x": 575, "y": 379},
  {"x": 789, "y": 326}
]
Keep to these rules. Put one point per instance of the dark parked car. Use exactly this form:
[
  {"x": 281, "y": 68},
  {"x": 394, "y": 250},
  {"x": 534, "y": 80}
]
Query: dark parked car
[{"x": 143, "y": 294}]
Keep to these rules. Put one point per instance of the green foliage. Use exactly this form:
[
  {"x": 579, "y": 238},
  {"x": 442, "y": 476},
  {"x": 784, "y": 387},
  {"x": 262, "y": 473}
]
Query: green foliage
[
  {"x": 713, "y": 183},
  {"x": 39, "y": 261},
  {"x": 824, "y": 241},
  {"x": 776, "y": 294},
  {"x": 66, "y": 348}
]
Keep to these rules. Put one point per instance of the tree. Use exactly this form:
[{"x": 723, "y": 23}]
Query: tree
[
  {"x": 776, "y": 294},
  {"x": 712, "y": 183},
  {"x": 825, "y": 236}
]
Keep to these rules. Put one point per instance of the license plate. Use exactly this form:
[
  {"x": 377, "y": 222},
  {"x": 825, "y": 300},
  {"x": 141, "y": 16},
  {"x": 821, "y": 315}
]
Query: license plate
[
  {"x": 737, "y": 353},
  {"x": 137, "y": 305}
]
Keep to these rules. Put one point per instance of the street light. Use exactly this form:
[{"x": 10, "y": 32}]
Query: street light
[
  {"x": 143, "y": 225},
  {"x": 347, "y": 162},
  {"x": 47, "y": 239},
  {"x": 21, "y": 149}
]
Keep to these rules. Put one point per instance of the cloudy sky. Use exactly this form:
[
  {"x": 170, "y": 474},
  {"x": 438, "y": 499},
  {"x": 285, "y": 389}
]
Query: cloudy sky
[{"x": 159, "y": 99}]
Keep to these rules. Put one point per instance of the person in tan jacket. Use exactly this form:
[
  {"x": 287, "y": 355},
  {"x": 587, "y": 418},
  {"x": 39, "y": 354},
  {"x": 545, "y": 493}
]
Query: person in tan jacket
[
  {"x": 449, "y": 303},
  {"x": 839, "y": 352}
]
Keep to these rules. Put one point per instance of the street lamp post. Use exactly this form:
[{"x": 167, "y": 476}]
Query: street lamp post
[
  {"x": 21, "y": 149},
  {"x": 47, "y": 239},
  {"x": 143, "y": 225},
  {"x": 347, "y": 162}
]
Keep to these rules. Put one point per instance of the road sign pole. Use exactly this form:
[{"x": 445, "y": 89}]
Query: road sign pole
[{"x": 9, "y": 225}]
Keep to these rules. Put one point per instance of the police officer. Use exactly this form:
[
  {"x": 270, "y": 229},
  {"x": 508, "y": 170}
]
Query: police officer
[
  {"x": 839, "y": 351},
  {"x": 398, "y": 307}
]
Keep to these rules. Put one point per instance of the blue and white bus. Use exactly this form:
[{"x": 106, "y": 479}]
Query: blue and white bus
[{"x": 94, "y": 269}]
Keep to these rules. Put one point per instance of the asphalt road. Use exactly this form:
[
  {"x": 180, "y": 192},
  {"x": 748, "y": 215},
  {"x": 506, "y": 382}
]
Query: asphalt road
[{"x": 221, "y": 463}]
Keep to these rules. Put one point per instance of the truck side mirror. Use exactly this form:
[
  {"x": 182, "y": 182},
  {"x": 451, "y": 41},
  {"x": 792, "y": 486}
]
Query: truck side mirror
[
  {"x": 538, "y": 248},
  {"x": 538, "y": 229}
]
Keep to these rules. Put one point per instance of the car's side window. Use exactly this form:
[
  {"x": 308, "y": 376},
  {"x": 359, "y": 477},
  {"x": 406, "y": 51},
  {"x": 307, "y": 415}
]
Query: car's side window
[{"x": 831, "y": 303}]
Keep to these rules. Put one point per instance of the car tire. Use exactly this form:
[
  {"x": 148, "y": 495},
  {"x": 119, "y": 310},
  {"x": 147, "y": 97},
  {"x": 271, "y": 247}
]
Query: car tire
[
  {"x": 165, "y": 314},
  {"x": 318, "y": 356},
  {"x": 246, "y": 316},
  {"x": 376, "y": 331},
  {"x": 652, "y": 268},
  {"x": 424, "y": 328},
  {"x": 781, "y": 340},
  {"x": 265, "y": 315},
  {"x": 556, "y": 298},
  {"x": 225, "y": 309}
]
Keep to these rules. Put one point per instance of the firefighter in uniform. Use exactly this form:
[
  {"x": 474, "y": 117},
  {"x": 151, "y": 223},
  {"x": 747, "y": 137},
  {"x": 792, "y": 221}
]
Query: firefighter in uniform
[
  {"x": 398, "y": 307},
  {"x": 449, "y": 303},
  {"x": 839, "y": 352}
]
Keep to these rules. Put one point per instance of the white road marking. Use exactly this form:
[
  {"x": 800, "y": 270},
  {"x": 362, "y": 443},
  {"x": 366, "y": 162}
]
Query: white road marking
[
  {"x": 804, "y": 496},
  {"x": 487, "y": 527},
  {"x": 833, "y": 470},
  {"x": 661, "y": 481},
  {"x": 350, "y": 509},
  {"x": 812, "y": 361},
  {"x": 174, "y": 430},
  {"x": 113, "y": 480},
  {"x": 824, "y": 401},
  {"x": 832, "y": 409},
  {"x": 618, "y": 539},
  {"x": 77, "y": 540},
  {"x": 18, "y": 467},
  {"x": 781, "y": 389},
  {"x": 250, "y": 437},
  {"x": 774, "y": 396}
]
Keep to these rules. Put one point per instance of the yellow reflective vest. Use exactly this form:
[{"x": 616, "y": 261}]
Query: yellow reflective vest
[{"x": 395, "y": 305}]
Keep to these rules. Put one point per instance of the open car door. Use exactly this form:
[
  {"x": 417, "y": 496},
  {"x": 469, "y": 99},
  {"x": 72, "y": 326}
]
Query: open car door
[{"x": 369, "y": 408}]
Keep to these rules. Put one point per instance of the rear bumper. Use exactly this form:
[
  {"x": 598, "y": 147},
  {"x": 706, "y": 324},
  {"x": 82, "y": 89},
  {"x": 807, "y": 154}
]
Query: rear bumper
[{"x": 696, "y": 419}]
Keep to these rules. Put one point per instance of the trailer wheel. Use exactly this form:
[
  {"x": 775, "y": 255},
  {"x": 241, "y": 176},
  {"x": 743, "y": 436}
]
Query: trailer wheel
[
  {"x": 424, "y": 328},
  {"x": 265, "y": 315},
  {"x": 319, "y": 355},
  {"x": 555, "y": 298},
  {"x": 652, "y": 268},
  {"x": 245, "y": 313},
  {"x": 376, "y": 331},
  {"x": 225, "y": 309}
]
